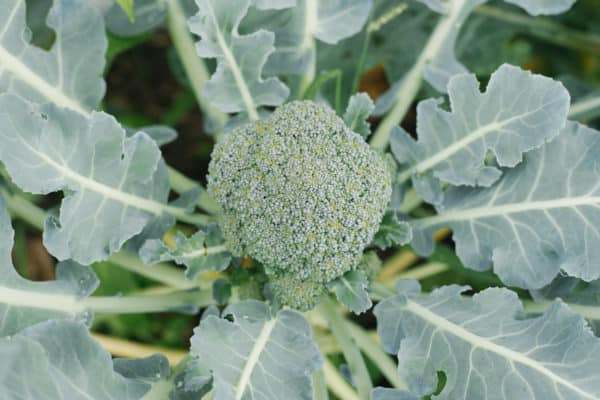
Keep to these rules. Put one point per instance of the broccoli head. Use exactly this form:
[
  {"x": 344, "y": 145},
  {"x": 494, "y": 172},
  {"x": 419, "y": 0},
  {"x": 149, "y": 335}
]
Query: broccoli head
[
  {"x": 299, "y": 192},
  {"x": 300, "y": 294}
]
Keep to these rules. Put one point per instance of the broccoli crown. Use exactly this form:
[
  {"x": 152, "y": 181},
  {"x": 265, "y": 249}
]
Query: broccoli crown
[
  {"x": 300, "y": 294},
  {"x": 299, "y": 192}
]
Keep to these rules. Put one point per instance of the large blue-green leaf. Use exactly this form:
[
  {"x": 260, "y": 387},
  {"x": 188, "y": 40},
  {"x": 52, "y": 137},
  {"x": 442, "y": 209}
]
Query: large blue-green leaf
[
  {"x": 203, "y": 251},
  {"x": 59, "y": 360},
  {"x": 543, "y": 7},
  {"x": 296, "y": 27},
  {"x": 24, "y": 303},
  {"x": 517, "y": 113},
  {"x": 485, "y": 347},
  {"x": 257, "y": 355},
  {"x": 114, "y": 185},
  {"x": 380, "y": 393},
  {"x": 147, "y": 15},
  {"x": 70, "y": 73},
  {"x": 238, "y": 84},
  {"x": 539, "y": 219}
]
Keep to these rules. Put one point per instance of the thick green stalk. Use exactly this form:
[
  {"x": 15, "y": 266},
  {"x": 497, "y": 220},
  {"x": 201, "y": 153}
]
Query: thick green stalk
[
  {"x": 319, "y": 386},
  {"x": 585, "y": 109},
  {"x": 351, "y": 353},
  {"x": 149, "y": 304},
  {"x": 375, "y": 353},
  {"x": 336, "y": 382},
  {"x": 181, "y": 183},
  {"x": 163, "y": 273},
  {"x": 195, "y": 69}
]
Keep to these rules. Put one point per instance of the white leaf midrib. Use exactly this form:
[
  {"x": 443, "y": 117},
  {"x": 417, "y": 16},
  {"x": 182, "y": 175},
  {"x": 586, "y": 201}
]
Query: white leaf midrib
[
  {"x": 476, "y": 341},
  {"x": 447, "y": 152},
  {"x": 204, "y": 252},
  {"x": 27, "y": 298},
  {"x": 53, "y": 93},
  {"x": 253, "y": 358},
  {"x": 129, "y": 200},
  {"x": 469, "y": 214},
  {"x": 233, "y": 65}
]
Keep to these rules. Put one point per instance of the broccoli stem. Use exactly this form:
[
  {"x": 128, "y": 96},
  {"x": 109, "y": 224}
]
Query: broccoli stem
[
  {"x": 150, "y": 303},
  {"x": 193, "y": 65},
  {"x": 181, "y": 183},
  {"x": 375, "y": 353},
  {"x": 351, "y": 353},
  {"x": 319, "y": 386},
  {"x": 336, "y": 383}
]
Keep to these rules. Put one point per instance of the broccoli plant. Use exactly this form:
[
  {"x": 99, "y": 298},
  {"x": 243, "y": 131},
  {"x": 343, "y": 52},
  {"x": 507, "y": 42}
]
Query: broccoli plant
[{"x": 306, "y": 253}]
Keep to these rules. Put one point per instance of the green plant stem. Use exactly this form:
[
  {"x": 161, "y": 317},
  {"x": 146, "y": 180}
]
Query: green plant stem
[
  {"x": 589, "y": 312},
  {"x": 319, "y": 386},
  {"x": 410, "y": 201},
  {"x": 585, "y": 109},
  {"x": 192, "y": 219},
  {"x": 311, "y": 13},
  {"x": 311, "y": 71},
  {"x": 422, "y": 271},
  {"x": 163, "y": 273},
  {"x": 412, "y": 80},
  {"x": 351, "y": 353},
  {"x": 195, "y": 69},
  {"x": 380, "y": 292},
  {"x": 20, "y": 207},
  {"x": 336, "y": 383},
  {"x": 149, "y": 304},
  {"x": 181, "y": 183},
  {"x": 376, "y": 354},
  {"x": 545, "y": 29}
]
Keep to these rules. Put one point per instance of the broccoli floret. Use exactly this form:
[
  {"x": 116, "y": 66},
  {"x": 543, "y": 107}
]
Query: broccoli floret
[
  {"x": 300, "y": 294},
  {"x": 299, "y": 192}
]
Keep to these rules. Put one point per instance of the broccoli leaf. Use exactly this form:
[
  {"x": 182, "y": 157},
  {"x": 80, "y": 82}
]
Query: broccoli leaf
[
  {"x": 380, "y": 393},
  {"x": 147, "y": 15},
  {"x": 24, "y": 303},
  {"x": 518, "y": 112},
  {"x": 339, "y": 19},
  {"x": 295, "y": 28},
  {"x": 203, "y": 251},
  {"x": 351, "y": 290},
  {"x": 358, "y": 111},
  {"x": 543, "y": 7},
  {"x": 274, "y": 4},
  {"x": 539, "y": 219},
  {"x": 437, "y": 60},
  {"x": 149, "y": 369},
  {"x": 237, "y": 85},
  {"x": 70, "y": 73},
  {"x": 60, "y": 360},
  {"x": 114, "y": 185},
  {"x": 392, "y": 232},
  {"x": 485, "y": 347},
  {"x": 256, "y": 354},
  {"x": 127, "y": 7}
]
